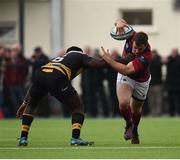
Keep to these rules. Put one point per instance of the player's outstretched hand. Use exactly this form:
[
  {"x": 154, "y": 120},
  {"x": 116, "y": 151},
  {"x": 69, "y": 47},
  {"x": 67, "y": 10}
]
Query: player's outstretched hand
[
  {"x": 106, "y": 55},
  {"x": 20, "y": 110}
]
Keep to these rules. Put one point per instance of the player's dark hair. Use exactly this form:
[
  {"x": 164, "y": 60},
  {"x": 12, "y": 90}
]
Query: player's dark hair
[
  {"x": 141, "y": 38},
  {"x": 74, "y": 48}
]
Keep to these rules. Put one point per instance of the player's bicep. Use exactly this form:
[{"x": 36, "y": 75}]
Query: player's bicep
[
  {"x": 86, "y": 60},
  {"x": 130, "y": 68}
]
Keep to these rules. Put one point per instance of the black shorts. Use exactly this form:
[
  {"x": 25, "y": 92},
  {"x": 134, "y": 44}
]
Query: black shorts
[{"x": 55, "y": 83}]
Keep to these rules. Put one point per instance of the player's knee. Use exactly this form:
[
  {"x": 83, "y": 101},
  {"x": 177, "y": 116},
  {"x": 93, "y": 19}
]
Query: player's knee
[
  {"x": 29, "y": 109},
  {"x": 123, "y": 105}
]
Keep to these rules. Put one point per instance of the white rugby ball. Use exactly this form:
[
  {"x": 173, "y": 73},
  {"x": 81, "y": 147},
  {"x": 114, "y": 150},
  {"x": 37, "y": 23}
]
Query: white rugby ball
[{"x": 128, "y": 31}]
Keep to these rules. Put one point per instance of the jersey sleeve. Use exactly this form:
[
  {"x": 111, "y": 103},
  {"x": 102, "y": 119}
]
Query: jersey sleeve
[
  {"x": 86, "y": 59},
  {"x": 92, "y": 62},
  {"x": 128, "y": 45}
]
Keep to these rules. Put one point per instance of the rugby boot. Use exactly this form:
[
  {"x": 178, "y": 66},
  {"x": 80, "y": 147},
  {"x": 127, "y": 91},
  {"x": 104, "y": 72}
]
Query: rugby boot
[
  {"x": 135, "y": 136},
  {"x": 128, "y": 132},
  {"x": 23, "y": 141},
  {"x": 80, "y": 142}
]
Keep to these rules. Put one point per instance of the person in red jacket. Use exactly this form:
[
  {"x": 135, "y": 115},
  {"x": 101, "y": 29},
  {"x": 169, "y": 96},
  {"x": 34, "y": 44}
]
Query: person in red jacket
[{"x": 14, "y": 79}]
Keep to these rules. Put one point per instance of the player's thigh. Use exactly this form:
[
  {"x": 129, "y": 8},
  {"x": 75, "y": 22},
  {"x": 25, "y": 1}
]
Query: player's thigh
[
  {"x": 124, "y": 92},
  {"x": 33, "y": 97},
  {"x": 36, "y": 93},
  {"x": 70, "y": 99},
  {"x": 139, "y": 95}
]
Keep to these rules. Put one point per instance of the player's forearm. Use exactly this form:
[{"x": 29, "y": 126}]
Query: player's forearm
[
  {"x": 95, "y": 63},
  {"x": 119, "y": 67}
]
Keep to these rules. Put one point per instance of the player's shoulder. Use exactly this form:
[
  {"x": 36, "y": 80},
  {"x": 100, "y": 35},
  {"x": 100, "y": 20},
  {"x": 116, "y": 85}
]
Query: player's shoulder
[
  {"x": 73, "y": 55},
  {"x": 76, "y": 53},
  {"x": 79, "y": 57},
  {"x": 146, "y": 56}
]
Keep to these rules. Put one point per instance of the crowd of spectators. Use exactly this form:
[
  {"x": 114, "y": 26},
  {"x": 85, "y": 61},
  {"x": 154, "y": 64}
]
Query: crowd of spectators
[
  {"x": 164, "y": 93},
  {"x": 16, "y": 72},
  {"x": 98, "y": 86}
]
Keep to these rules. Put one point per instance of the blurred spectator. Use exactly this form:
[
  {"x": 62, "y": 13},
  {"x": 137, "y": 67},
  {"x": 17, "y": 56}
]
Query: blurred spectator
[
  {"x": 14, "y": 79},
  {"x": 2, "y": 52},
  {"x": 156, "y": 84},
  {"x": 172, "y": 82},
  {"x": 38, "y": 59},
  {"x": 61, "y": 52},
  {"x": 88, "y": 88},
  {"x": 111, "y": 76},
  {"x": 102, "y": 104}
]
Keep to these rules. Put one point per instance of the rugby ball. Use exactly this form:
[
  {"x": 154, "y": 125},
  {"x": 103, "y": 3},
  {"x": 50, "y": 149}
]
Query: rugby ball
[{"x": 128, "y": 31}]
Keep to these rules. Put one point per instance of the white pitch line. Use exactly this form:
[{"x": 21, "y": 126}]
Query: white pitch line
[{"x": 87, "y": 147}]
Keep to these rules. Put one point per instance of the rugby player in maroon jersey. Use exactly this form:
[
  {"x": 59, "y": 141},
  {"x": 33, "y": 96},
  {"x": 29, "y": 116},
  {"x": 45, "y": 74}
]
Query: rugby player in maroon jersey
[{"x": 133, "y": 79}]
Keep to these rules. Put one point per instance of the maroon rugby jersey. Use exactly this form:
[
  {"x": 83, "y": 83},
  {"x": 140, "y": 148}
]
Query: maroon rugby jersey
[{"x": 141, "y": 63}]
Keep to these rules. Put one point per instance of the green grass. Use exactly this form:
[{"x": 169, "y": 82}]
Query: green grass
[{"x": 49, "y": 138}]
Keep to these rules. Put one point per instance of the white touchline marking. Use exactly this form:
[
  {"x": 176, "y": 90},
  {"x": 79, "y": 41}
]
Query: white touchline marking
[{"x": 87, "y": 147}]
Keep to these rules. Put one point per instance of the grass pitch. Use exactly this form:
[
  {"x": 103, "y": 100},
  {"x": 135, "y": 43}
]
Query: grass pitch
[{"x": 49, "y": 138}]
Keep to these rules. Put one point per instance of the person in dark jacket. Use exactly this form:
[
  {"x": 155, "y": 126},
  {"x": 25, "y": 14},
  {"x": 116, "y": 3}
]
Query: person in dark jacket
[
  {"x": 102, "y": 104},
  {"x": 88, "y": 88},
  {"x": 111, "y": 76},
  {"x": 172, "y": 82},
  {"x": 38, "y": 59},
  {"x": 156, "y": 84}
]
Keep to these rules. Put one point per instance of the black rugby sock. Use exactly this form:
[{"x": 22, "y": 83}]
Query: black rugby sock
[
  {"x": 77, "y": 122},
  {"x": 26, "y": 123}
]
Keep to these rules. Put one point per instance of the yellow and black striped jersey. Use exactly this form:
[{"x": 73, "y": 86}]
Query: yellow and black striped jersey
[{"x": 72, "y": 64}]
